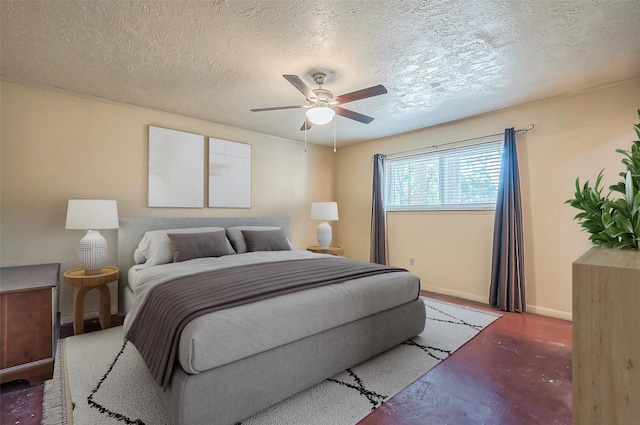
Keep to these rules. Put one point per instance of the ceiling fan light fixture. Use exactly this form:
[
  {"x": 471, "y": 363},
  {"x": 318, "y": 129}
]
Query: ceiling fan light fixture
[{"x": 320, "y": 115}]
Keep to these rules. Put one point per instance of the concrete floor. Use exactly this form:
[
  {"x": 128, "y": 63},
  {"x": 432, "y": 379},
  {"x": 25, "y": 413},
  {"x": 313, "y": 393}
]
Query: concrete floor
[{"x": 515, "y": 372}]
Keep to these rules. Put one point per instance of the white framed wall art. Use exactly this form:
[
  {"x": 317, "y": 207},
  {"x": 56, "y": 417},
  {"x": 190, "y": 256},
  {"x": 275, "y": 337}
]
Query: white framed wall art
[
  {"x": 229, "y": 174},
  {"x": 176, "y": 168}
]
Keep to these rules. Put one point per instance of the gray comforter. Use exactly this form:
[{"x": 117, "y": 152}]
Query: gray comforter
[{"x": 169, "y": 307}]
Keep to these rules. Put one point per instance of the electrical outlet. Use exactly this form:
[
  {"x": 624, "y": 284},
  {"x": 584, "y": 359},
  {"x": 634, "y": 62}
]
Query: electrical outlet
[{"x": 412, "y": 261}]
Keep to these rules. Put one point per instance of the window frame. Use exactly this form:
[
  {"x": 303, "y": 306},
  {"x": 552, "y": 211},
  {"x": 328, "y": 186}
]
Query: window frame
[{"x": 442, "y": 154}]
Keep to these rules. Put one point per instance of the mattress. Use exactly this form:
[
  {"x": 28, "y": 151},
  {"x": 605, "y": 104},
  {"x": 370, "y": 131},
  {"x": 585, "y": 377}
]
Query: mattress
[{"x": 225, "y": 336}]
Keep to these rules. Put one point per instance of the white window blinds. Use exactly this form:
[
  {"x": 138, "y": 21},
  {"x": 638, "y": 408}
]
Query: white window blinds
[{"x": 459, "y": 178}]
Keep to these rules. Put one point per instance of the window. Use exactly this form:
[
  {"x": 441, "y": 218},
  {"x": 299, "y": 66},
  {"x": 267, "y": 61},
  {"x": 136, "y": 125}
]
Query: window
[{"x": 458, "y": 178}]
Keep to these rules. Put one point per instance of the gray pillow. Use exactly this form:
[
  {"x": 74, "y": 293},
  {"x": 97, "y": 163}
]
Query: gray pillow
[
  {"x": 234, "y": 234},
  {"x": 155, "y": 247},
  {"x": 266, "y": 240},
  {"x": 186, "y": 246}
]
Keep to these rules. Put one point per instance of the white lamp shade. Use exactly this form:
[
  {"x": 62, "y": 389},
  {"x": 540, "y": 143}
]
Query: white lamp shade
[
  {"x": 86, "y": 214},
  {"x": 320, "y": 115},
  {"x": 324, "y": 211}
]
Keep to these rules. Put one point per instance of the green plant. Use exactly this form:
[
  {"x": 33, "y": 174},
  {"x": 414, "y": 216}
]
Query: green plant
[{"x": 613, "y": 223}]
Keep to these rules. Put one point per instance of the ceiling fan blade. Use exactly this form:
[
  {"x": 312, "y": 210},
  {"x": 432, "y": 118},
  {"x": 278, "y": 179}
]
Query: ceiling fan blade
[
  {"x": 275, "y": 108},
  {"x": 357, "y": 116},
  {"x": 300, "y": 85},
  {"x": 362, "y": 94},
  {"x": 306, "y": 125}
]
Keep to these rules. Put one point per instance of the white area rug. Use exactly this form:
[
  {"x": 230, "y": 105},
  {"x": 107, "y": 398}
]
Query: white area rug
[{"x": 100, "y": 380}]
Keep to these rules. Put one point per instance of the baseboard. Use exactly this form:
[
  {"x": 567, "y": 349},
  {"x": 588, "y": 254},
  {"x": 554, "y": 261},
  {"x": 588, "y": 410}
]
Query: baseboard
[
  {"x": 542, "y": 311},
  {"x": 457, "y": 294},
  {"x": 94, "y": 314}
]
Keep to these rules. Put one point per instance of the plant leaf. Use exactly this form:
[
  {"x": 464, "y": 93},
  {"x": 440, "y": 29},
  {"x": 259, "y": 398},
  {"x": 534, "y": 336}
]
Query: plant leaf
[{"x": 629, "y": 190}]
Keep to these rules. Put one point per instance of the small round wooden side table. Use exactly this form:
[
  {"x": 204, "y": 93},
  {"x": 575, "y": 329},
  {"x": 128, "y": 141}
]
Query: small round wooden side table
[
  {"x": 333, "y": 250},
  {"x": 84, "y": 283}
]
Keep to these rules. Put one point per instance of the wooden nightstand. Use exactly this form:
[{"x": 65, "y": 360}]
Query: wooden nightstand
[
  {"x": 84, "y": 283},
  {"x": 333, "y": 250},
  {"x": 28, "y": 322}
]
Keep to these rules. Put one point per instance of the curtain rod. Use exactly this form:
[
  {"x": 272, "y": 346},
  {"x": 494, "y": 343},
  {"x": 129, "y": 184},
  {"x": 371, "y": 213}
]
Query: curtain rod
[{"x": 521, "y": 130}]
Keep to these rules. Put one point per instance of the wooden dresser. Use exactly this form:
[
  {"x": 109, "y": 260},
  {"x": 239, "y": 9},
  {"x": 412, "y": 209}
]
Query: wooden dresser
[
  {"x": 28, "y": 322},
  {"x": 606, "y": 337}
]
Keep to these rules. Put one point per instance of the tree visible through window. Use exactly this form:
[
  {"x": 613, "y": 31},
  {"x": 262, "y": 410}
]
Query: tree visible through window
[{"x": 460, "y": 178}]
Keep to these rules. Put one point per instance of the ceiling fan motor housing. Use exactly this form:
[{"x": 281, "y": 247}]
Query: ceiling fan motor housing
[{"x": 324, "y": 98}]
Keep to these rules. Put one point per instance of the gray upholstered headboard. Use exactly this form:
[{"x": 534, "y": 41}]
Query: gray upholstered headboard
[{"x": 131, "y": 231}]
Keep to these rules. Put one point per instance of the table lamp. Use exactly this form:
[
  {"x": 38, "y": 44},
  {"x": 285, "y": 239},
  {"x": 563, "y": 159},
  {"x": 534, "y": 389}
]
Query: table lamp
[
  {"x": 324, "y": 211},
  {"x": 92, "y": 215}
]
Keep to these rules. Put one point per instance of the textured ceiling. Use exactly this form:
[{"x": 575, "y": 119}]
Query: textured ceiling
[{"x": 214, "y": 60}]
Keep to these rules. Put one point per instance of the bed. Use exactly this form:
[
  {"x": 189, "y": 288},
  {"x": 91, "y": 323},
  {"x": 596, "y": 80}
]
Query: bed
[{"x": 233, "y": 362}]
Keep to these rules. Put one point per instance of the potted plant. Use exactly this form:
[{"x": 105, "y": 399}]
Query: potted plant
[{"x": 613, "y": 223}]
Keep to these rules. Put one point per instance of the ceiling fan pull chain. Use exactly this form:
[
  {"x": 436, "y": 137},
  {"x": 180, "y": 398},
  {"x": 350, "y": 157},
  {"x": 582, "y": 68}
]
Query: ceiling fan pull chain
[
  {"x": 305, "y": 139},
  {"x": 334, "y": 135}
]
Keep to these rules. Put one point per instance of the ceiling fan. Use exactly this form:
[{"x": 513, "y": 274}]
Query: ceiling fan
[{"x": 322, "y": 105}]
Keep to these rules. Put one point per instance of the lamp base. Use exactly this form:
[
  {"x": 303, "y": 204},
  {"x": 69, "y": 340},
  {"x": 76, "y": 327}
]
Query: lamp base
[
  {"x": 324, "y": 235},
  {"x": 92, "y": 252}
]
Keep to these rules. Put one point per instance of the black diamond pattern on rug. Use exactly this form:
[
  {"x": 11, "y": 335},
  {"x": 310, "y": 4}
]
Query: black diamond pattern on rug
[
  {"x": 374, "y": 398},
  {"x": 105, "y": 411}
]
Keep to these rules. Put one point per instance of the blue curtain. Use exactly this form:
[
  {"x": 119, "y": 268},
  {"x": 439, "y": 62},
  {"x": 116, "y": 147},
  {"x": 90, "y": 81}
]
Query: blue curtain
[
  {"x": 507, "y": 270},
  {"x": 378, "y": 238}
]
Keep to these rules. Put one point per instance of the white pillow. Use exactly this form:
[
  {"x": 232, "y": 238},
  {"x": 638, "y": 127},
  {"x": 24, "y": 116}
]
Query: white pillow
[
  {"x": 234, "y": 234},
  {"x": 155, "y": 247},
  {"x": 138, "y": 256}
]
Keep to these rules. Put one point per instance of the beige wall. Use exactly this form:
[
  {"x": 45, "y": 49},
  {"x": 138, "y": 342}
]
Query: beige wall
[
  {"x": 574, "y": 136},
  {"x": 57, "y": 146}
]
